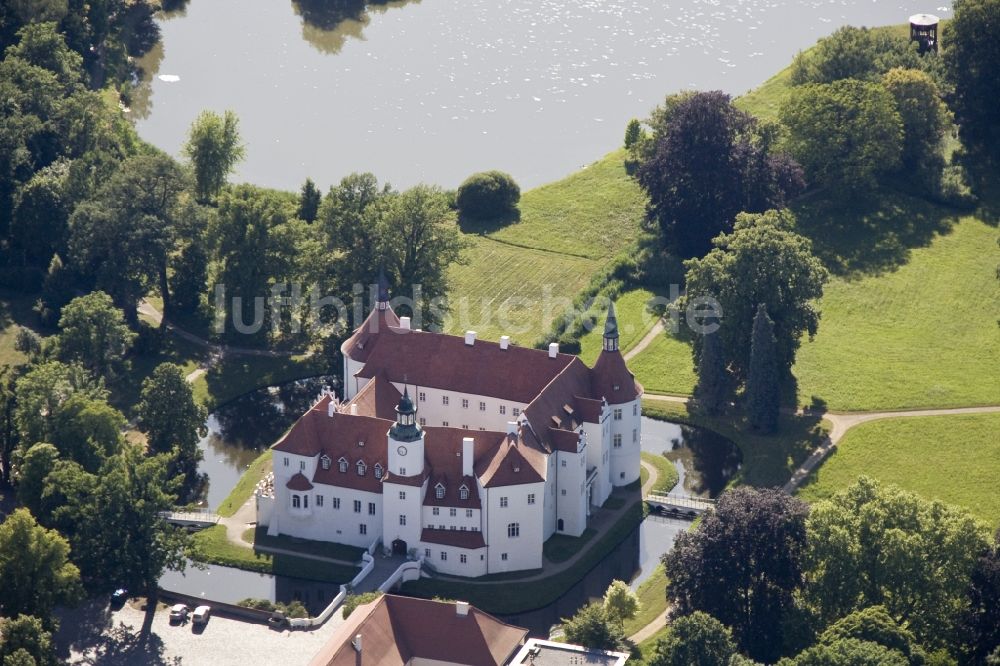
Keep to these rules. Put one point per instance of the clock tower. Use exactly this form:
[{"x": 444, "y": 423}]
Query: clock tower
[{"x": 406, "y": 440}]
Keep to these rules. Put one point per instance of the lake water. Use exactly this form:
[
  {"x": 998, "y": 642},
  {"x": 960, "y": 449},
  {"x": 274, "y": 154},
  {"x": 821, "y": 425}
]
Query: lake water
[{"x": 433, "y": 90}]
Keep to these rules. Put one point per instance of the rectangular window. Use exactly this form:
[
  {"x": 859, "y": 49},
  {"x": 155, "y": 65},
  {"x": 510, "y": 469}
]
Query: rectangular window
[
  {"x": 562, "y": 462},
  {"x": 514, "y": 530},
  {"x": 463, "y": 529},
  {"x": 444, "y": 556},
  {"x": 482, "y": 406},
  {"x": 462, "y": 558},
  {"x": 444, "y": 424},
  {"x": 402, "y": 494},
  {"x": 371, "y": 508},
  {"x": 468, "y": 513},
  {"x": 319, "y": 500},
  {"x": 296, "y": 502},
  {"x": 302, "y": 465},
  {"x": 305, "y": 501},
  {"x": 357, "y": 506},
  {"x": 444, "y": 400},
  {"x": 475, "y": 528},
  {"x": 517, "y": 411},
  {"x": 427, "y": 552},
  {"x": 618, "y": 441},
  {"x": 423, "y": 421},
  {"x": 402, "y": 471},
  {"x": 618, "y": 414},
  {"x": 635, "y": 409},
  {"x": 503, "y": 556},
  {"x": 635, "y": 435},
  {"x": 563, "y": 492},
  {"x": 402, "y": 519},
  {"x": 465, "y": 427},
  {"x": 286, "y": 461},
  {"x": 503, "y": 409},
  {"x": 452, "y": 528},
  {"x": 452, "y": 512},
  {"x": 465, "y": 403},
  {"x": 503, "y": 501},
  {"x": 336, "y": 502},
  {"x": 422, "y": 397},
  {"x": 436, "y": 511},
  {"x": 362, "y": 529},
  {"x": 531, "y": 498}
]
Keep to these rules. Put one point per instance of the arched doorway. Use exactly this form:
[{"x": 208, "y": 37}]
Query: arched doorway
[{"x": 399, "y": 547}]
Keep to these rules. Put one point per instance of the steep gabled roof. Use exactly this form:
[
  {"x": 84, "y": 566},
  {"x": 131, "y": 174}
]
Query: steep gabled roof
[
  {"x": 513, "y": 463},
  {"x": 397, "y": 630},
  {"x": 377, "y": 398},
  {"x": 359, "y": 346},
  {"x": 437, "y": 360},
  {"x": 612, "y": 379}
]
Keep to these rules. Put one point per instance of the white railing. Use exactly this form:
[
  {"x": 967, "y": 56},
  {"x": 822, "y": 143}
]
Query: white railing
[{"x": 682, "y": 501}]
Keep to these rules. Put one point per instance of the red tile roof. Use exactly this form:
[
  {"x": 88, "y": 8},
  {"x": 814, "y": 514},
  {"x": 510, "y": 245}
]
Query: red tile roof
[
  {"x": 612, "y": 379},
  {"x": 359, "y": 346},
  {"x": 436, "y": 360},
  {"x": 396, "y": 630},
  {"x": 456, "y": 538},
  {"x": 377, "y": 398},
  {"x": 513, "y": 463},
  {"x": 299, "y": 482}
]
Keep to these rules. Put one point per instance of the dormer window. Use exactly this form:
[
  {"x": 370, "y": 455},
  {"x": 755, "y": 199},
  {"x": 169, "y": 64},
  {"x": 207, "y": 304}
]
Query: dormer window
[
  {"x": 343, "y": 464},
  {"x": 439, "y": 491},
  {"x": 362, "y": 468},
  {"x": 463, "y": 492},
  {"x": 324, "y": 461},
  {"x": 378, "y": 471}
]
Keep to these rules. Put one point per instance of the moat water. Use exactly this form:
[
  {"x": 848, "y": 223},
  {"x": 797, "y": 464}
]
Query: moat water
[
  {"x": 241, "y": 430},
  {"x": 433, "y": 90}
]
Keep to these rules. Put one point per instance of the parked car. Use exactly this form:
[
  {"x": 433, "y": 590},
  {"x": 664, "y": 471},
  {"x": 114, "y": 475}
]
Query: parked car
[
  {"x": 118, "y": 598},
  {"x": 178, "y": 613},
  {"x": 200, "y": 615}
]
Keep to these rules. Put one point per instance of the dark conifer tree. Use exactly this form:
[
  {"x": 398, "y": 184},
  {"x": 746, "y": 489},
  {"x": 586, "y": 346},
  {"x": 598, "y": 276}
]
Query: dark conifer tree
[
  {"x": 763, "y": 385},
  {"x": 713, "y": 385},
  {"x": 309, "y": 201}
]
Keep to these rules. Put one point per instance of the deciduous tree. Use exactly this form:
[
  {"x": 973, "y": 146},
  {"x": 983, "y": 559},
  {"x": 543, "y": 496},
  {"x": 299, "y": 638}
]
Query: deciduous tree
[
  {"x": 25, "y": 640},
  {"x": 763, "y": 261},
  {"x": 845, "y": 134},
  {"x": 620, "y": 603},
  {"x": 707, "y": 161},
  {"x": 847, "y": 652},
  {"x": 742, "y": 565},
  {"x": 925, "y": 120},
  {"x": 93, "y": 333},
  {"x": 35, "y": 571},
  {"x": 697, "y": 639},
  {"x": 971, "y": 51},
  {"x": 35, "y": 465},
  {"x": 983, "y": 616},
  {"x": 874, "y": 624},
  {"x": 214, "y": 148},
  {"x": 873, "y": 544},
  {"x": 43, "y": 390},
  {"x": 592, "y": 628}
]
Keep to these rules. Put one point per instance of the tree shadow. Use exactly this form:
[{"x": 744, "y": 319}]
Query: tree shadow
[
  {"x": 482, "y": 226},
  {"x": 869, "y": 234},
  {"x": 328, "y": 24}
]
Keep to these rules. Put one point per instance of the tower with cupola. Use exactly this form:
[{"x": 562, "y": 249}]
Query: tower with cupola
[
  {"x": 617, "y": 386},
  {"x": 406, "y": 440}
]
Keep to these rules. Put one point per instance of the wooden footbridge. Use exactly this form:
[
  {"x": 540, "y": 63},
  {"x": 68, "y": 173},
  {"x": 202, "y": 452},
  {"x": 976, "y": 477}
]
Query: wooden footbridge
[
  {"x": 191, "y": 518},
  {"x": 679, "y": 506}
]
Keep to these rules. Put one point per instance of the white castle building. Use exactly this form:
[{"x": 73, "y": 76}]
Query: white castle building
[{"x": 465, "y": 452}]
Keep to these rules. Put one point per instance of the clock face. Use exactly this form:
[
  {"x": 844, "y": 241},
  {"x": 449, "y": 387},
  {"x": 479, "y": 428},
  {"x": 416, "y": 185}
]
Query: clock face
[{"x": 401, "y": 450}]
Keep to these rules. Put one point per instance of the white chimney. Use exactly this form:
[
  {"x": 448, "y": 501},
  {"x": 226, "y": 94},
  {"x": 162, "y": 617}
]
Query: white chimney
[
  {"x": 511, "y": 427},
  {"x": 470, "y": 338},
  {"x": 462, "y": 608},
  {"x": 553, "y": 349},
  {"x": 404, "y": 323},
  {"x": 504, "y": 341},
  {"x": 330, "y": 407},
  {"x": 357, "y": 642},
  {"x": 467, "y": 447},
  {"x": 354, "y": 409}
]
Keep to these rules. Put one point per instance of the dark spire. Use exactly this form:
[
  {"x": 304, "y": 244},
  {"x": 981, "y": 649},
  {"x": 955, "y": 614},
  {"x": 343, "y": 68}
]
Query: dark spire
[
  {"x": 405, "y": 429},
  {"x": 611, "y": 329},
  {"x": 383, "y": 289}
]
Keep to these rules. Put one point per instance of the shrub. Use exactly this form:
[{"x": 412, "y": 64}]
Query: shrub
[
  {"x": 953, "y": 188},
  {"x": 488, "y": 195},
  {"x": 354, "y": 600}
]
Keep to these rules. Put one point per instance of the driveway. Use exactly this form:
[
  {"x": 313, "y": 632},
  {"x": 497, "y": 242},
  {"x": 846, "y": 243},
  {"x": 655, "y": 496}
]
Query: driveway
[{"x": 222, "y": 642}]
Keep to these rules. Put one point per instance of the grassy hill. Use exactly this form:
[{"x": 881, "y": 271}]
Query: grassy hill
[
  {"x": 569, "y": 230},
  {"x": 940, "y": 457}
]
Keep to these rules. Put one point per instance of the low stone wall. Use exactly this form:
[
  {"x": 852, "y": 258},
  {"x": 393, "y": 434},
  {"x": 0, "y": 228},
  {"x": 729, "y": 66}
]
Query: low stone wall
[{"x": 218, "y": 608}]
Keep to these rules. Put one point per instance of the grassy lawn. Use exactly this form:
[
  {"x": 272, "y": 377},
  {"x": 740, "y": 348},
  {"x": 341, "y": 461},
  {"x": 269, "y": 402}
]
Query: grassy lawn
[
  {"x": 569, "y": 230},
  {"x": 634, "y": 321},
  {"x": 768, "y": 460},
  {"x": 211, "y": 546},
  {"x": 561, "y": 547},
  {"x": 244, "y": 488},
  {"x": 258, "y": 537},
  {"x": 653, "y": 599},
  {"x": 667, "y": 475},
  {"x": 955, "y": 459},
  {"x": 665, "y": 366},
  {"x": 495, "y": 594}
]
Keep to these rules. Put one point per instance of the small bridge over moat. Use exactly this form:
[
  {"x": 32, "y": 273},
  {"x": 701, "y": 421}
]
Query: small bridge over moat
[
  {"x": 679, "y": 506},
  {"x": 191, "y": 518}
]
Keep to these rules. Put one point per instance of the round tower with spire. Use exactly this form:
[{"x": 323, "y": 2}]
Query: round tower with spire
[
  {"x": 406, "y": 440},
  {"x": 614, "y": 383}
]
